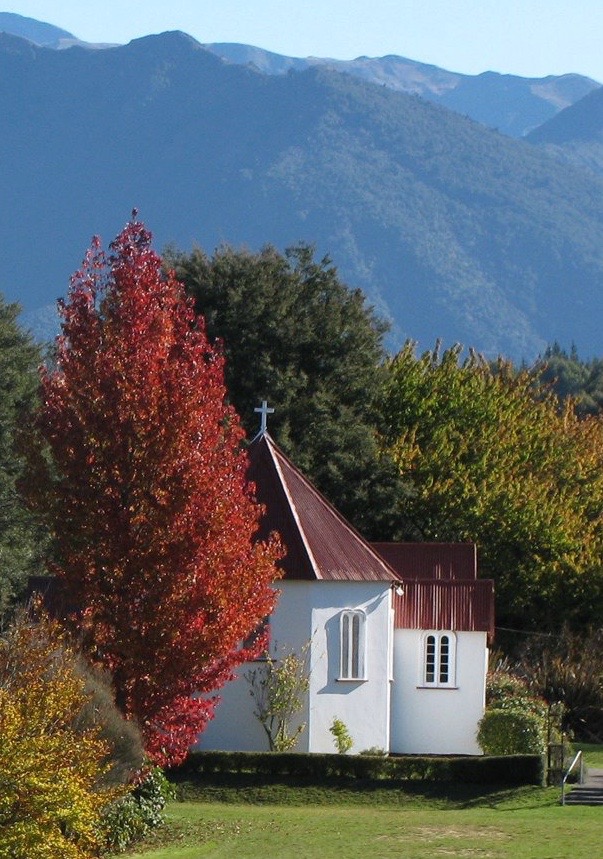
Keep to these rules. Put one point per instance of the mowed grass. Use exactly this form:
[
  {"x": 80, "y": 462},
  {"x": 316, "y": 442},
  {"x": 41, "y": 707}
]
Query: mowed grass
[
  {"x": 593, "y": 754},
  {"x": 527, "y": 823}
]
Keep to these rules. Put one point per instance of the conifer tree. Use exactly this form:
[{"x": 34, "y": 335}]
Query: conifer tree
[{"x": 20, "y": 539}]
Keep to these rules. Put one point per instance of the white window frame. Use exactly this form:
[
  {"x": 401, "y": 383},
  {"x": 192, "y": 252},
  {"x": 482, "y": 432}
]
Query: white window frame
[
  {"x": 352, "y": 645},
  {"x": 438, "y": 660}
]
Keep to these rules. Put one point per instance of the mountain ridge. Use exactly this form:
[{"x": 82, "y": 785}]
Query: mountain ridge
[
  {"x": 41, "y": 33},
  {"x": 452, "y": 230},
  {"x": 575, "y": 135},
  {"x": 509, "y": 103},
  {"x": 512, "y": 104}
]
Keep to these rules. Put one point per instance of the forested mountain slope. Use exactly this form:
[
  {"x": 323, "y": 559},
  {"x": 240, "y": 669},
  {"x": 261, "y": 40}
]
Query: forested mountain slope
[
  {"x": 514, "y": 105},
  {"x": 576, "y": 133},
  {"x": 453, "y": 230}
]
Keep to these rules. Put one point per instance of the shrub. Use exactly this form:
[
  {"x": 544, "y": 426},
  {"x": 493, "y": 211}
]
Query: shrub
[
  {"x": 318, "y": 768},
  {"x": 569, "y": 669},
  {"x": 505, "y": 690},
  {"x": 510, "y": 732},
  {"x": 341, "y": 736},
  {"x": 51, "y": 772},
  {"x": 125, "y": 755},
  {"x": 132, "y": 817},
  {"x": 515, "y": 721}
]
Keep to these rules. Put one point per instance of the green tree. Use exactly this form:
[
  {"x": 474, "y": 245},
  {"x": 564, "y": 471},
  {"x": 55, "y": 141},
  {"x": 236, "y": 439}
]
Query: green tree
[
  {"x": 569, "y": 376},
  {"x": 296, "y": 336},
  {"x": 20, "y": 539},
  {"x": 493, "y": 460}
]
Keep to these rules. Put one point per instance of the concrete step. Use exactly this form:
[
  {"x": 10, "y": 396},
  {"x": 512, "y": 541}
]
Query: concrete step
[
  {"x": 583, "y": 800},
  {"x": 584, "y": 795},
  {"x": 588, "y": 793}
]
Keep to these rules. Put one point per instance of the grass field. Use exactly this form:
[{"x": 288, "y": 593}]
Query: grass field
[{"x": 279, "y": 823}]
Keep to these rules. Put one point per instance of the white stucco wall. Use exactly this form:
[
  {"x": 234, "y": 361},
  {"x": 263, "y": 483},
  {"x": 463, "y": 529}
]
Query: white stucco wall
[
  {"x": 234, "y": 726},
  {"x": 309, "y": 612},
  {"x": 432, "y": 720},
  {"x": 363, "y": 706}
]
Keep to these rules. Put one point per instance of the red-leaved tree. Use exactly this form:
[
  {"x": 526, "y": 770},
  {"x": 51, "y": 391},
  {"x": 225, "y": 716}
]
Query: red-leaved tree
[{"x": 145, "y": 493}]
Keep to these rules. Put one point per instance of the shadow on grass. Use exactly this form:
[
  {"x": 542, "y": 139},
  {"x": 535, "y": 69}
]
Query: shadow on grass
[{"x": 247, "y": 788}]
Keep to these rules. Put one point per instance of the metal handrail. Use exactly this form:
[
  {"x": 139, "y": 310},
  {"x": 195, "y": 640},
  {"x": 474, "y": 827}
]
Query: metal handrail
[{"x": 577, "y": 759}]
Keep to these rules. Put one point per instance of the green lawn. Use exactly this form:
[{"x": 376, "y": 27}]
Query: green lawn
[
  {"x": 593, "y": 754},
  {"x": 516, "y": 824}
]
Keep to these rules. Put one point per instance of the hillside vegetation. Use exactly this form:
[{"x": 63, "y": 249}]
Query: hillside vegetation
[
  {"x": 576, "y": 134},
  {"x": 452, "y": 230},
  {"x": 514, "y": 105}
]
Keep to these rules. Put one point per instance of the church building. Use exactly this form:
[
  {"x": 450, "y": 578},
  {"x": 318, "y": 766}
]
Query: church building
[{"x": 395, "y": 634}]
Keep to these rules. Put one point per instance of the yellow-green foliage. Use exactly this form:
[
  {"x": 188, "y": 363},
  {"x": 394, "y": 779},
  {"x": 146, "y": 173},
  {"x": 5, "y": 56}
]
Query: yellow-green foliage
[
  {"x": 341, "y": 736},
  {"x": 278, "y": 688},
  {"x": 490, "y": 457},
  {"x": 50, "y": 796}
]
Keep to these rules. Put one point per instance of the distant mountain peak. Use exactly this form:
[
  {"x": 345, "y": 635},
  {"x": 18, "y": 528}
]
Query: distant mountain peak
[
  {"x": 171, "y": 37},
  {"x": 38, "y": 32}
]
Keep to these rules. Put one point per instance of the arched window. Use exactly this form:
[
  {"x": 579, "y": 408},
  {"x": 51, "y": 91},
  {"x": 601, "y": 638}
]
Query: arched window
[
  {"x": 352, "y": 644},
  {"x": 438, "y": 664}
]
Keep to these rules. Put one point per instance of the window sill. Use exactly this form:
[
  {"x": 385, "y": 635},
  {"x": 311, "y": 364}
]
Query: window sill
[
  {"x": 436, "y": 686},
  {"x": 351, "y": 679}
]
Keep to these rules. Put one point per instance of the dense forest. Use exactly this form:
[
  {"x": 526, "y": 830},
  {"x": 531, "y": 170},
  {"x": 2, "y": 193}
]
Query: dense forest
[
  {"x": 432, "y": 446},
  {"x": 573, "y": 377}
]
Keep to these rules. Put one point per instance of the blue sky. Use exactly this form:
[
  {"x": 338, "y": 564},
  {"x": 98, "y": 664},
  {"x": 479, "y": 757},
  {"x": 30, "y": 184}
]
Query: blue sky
[{"x": 532, "y": 38}]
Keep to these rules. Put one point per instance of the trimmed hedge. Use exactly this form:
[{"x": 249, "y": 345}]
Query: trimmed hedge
[
  {"x": 505, "y": 770},
  {"x": 511, "y": 731}
]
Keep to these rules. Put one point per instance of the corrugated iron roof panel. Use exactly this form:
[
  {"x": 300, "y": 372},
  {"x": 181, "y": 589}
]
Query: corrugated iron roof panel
[
  {"x": 454, "y": 605},
  {"x": 320, "y": 543},
  {"x": 430, "y": 560}
]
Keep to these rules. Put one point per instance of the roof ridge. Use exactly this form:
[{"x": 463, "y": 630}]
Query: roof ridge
[
  {"x": 275, "y": 452},
  {"x": 272, "y": 449}
]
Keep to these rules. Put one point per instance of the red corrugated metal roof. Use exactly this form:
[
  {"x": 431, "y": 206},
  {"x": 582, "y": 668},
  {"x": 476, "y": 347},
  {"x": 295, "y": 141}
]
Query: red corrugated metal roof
[
  {"x": 456, "y": 605},
  {"x": 440, "y": 585},
  {"x": 319, "y": 542},
  {"x": 430, "y": 560}
]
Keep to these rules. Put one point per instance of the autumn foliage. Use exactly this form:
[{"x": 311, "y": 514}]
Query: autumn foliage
[
  {"x": 146, "y": 495},
  {"x": 52, "y": 792}
]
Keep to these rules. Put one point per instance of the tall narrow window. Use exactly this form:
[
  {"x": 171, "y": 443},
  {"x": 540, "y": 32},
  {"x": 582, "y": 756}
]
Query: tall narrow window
[
  {"x": 444, "y": 662},
  {"x": 438, "y": 660},
  {"x": 430, "y": 659},
  {"x": 351, "y": 629}
]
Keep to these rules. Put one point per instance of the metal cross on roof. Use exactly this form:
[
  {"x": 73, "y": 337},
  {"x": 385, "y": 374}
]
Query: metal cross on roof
[{"x": 264, "y": 411}]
